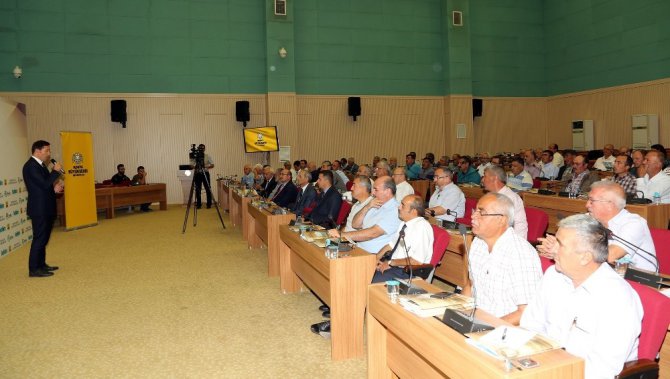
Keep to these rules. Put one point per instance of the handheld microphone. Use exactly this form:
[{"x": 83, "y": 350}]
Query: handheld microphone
[
  {"x": 635, "y": 249},
  {"x": 53, "y": 161}
]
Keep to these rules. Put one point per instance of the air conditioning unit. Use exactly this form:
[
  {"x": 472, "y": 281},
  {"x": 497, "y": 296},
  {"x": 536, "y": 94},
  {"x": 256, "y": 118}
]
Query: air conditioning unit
[
  {"x": 582, "y": 135},
  {"x": 645, "y": 130},
  {"x": 280, "y": 7}
]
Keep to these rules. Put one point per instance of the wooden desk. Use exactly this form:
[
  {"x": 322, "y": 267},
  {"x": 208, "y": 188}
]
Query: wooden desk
[
  {"x": 239, "y": 213},
  {"x": 560, "y": 207},
  {"x": 109, "y": 198},
  {"x": 401, "y": 344},
  {"x": 472, "y": 192},
  {"x": 264, "y": 229},
  {"x": 341, "y": 283},
  {"x": 421, "y": 186},
  {"x": 224, "y": 194}
]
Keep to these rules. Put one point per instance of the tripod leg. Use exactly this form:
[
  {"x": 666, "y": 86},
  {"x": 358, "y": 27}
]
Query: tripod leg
[
  {"x": 188, "y": 206},
  {"x": 208, "y": 188}
]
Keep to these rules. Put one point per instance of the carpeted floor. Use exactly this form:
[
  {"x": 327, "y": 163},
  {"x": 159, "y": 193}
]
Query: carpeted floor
[{"x": 136, "y": 298}]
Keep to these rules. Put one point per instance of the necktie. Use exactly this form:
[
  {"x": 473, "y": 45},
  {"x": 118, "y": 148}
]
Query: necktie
[
  {"x": 387, "y": 256},
  {"x": 277, "y": 191}
]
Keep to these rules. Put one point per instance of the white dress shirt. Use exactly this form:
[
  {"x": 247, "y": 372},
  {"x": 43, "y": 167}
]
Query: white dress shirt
[
  {"x": 549, "y": 171},
  {"x": 598, "y": 321},
  {"x": 634, "y": 229},
  {"x": 558, "y": 160},
  {"x": 354, "y": 210},
  {"x": 403, "y": 189},
  {"x": 605, "y": 164},
  {"x": 506, "y": 277},
  {"x": 659, "y": 183},
  {"x": 520, "y": 221},
  {"x": 448, "y": 197},
  {"x": 418, "y": 241}
]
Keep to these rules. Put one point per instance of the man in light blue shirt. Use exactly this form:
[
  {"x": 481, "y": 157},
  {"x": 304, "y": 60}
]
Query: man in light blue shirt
[
  {"x": 378, "y": 220},
  {"x": 412, "y": 169},
  {"x": 248, "y": 177}
]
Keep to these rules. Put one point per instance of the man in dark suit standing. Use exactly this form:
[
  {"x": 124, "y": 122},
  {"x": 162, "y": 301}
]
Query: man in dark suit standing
[
  {"x": 306, "y": 193},
  {"x": 327, "y": 203},
  {"x": 42, "y": 187},
  {"x": 285, "y": 192}
]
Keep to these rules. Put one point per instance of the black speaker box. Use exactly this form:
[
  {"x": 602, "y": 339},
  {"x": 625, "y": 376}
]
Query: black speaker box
[
  {"x": 242, "y": 111},
  {"x": 354, "y": 107},
  {"x": 477, "y": 108},
  {"x": 118, "y": 112}
]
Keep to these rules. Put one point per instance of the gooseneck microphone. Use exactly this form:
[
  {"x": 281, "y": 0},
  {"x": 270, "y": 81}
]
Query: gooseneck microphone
[
  {"x": 635, "y": 249},
  {"x": 53, "y": 161},
  {"x": 463, "y": 230}
]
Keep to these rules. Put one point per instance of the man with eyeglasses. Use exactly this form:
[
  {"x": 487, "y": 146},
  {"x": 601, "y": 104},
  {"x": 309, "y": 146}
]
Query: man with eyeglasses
[
  {"x": 494, "y": 180},
  {"x": 285, "y": 192},
  {"x": 606, "y": 203},
  {"x": 447, "y": 203},
  {"x": 549, "y": 169},
  {"x": 581, "y": 178},
  {"x": 504, "y": 268},
  {"x": 583, "y": 304},
  {"x": 402, "y": 188},
  {"x": 467, "y": 173}
]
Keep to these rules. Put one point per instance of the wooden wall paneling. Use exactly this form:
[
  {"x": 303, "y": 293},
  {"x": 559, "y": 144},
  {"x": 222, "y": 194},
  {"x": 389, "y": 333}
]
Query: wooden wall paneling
[{"x": 460, "y": 112}]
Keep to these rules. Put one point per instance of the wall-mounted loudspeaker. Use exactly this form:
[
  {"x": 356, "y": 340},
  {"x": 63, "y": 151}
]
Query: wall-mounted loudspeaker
[
  {"x": 242, "y": 112},
  {"x": 118, "y": 112},
  {"x": 477, "y": 108},
  {"x": 354, "y": 107}
]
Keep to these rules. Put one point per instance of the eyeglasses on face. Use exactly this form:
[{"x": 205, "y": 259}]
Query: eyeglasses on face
[
  {"x": 598, "y": 200},
  {"x": 483, "y": 213}
]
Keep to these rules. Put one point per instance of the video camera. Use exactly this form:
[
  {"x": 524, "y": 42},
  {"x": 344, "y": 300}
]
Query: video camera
[{"x": 197, "y": 155}]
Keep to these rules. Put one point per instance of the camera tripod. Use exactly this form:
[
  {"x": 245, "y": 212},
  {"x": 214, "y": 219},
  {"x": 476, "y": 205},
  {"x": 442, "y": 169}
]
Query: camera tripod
[{"x": 199, "y": 169}]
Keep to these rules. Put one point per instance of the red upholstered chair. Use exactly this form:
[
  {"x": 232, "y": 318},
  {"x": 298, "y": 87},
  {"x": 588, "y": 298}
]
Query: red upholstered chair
[
  {"x": 661, "y": 239},
  {"x": 470, "y": 204},
  {"x": 440, "y": 242},
  {"x": 345, "y": 208},
  {"x": 538, "y": 221},
  {"x": 654, "y": 327},
  {"x": 546, "y": 263},
  {"x": 537, "y": 183},
  {"x": 349, "y": 185}
]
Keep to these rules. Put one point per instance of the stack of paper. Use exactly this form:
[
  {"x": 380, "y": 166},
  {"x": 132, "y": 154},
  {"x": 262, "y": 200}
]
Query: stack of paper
[
  {"x": 521, "y": 341},
  {"x": 425, "y": 306}
]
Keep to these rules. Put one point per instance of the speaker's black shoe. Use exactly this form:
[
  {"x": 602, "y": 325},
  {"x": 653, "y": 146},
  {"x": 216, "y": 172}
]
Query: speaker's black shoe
[
  {"x": 40, "y": 273},
  {"x": 50, "y": 268},
  {"x": 324, "y": 308}
]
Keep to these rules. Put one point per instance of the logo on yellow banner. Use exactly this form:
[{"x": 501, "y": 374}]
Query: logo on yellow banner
[{"x": 77, "y": 168}]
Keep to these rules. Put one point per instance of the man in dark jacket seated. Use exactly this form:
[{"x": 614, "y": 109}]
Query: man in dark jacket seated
[
  {"x": 285, "y": 192},
  {"x": 328, "y": 202}
]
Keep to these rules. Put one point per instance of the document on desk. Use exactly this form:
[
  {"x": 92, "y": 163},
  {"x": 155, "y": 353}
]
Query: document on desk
[
  {"x": 425, "y": 306},
  {"x": 523, "y": 341}
]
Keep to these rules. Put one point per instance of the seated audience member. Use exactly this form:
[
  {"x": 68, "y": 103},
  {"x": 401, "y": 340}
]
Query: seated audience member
[
  {"x": 447, "y": 201},
  {"x": 622, "y": 174},
  {"x": 624, "y": 150},
  {"x": 427, "y": 171},
  {"x": 259, "y": 178},
  {"x": 505, "y": 268},
  {"x": 313, "y": 170},
  {"x": 140, "y": 179},
  {"x": 549, "y": 169},
  {"x": 485, "y": 162},
  {"x": 290, "y": 168},
  {"x": 382, "y": 169},
  {"x": 431, "y": 158},
  {"x": 583, "y": 304},
  {"x": 337, "y": 169},
  {"x": 606, "y": 203},
  {"x": 285, "y": 192},
  {"x": 303, "y": 164},
  {"x": 568, "y": 159},
  {"x": 353, "y": 167},
  {"x": 412, "y": 169},
  {"x": 518, "y": 178},
  {"x": 393, "y": 163},
  {"x": 360, "y": 191},
  {"x": 443, "y": 162},
  {"x": 638, "y": 170},
  {"x": 581, "y": 178},
  {"x": 606, "y": 162},
  {"x": 374, "y": 223},
  {"x": 654, "y": 181},
  {"x": 120, "y": 176},
  {"x": 306, "y": 193},
  {"x": 494, "y": 180},
  {"x": 269, "y": 184},
  {"x": 467, "y": 173},
  {"x": 661, "y": 149},
  {"x": 417, "y": 243},
  {"x": 453, "y": 163},
  {"x": 248, "y": 178},
  {"x": 327, "y": 202},
  {"x": 337, "y": 179},
  {"x": 375, "y": 160},
  {"x": 530, "y": 163},
  {"x": 557, "y": 157},
  {"x": 344, "y": 164},
  {"x": 496, "y": 160},
  {"x": 402, "y": 188}
]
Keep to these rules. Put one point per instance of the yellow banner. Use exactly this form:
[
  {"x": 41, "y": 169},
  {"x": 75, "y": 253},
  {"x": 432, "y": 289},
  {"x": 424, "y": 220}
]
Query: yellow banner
[
  {"x": 260, "y": 139},
  {"x": 80, "y": 207}
]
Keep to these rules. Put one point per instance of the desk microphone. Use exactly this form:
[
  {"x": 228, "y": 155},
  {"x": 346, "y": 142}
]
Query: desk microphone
[
  {"x": 647, "y": 278},
  {"x": 53, "y": 161},
  {"x": 463, "y": 230},
  {"x": 635, "y": 249}
]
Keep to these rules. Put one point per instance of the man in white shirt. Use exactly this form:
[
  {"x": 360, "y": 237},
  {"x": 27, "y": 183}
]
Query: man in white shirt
[
  {"x": 583, "y": 304},
  {"x": 360, "y": 190},
  {"x": 504, "y": 268},
  {"x": 485, "y": 162},
  {"x": 494, "y": 180},
  {"x": 447, "y": 202},
  {"x": 416, "y": 242},
  {"x": 337, "y": 169},
  {"x": 402, "y": 188},
  {"x": 654, "y": 181},
  {"x": 549, "y": 169},
  {"x": 606, "y": 162},
  {"x": 558, "y": 158}
]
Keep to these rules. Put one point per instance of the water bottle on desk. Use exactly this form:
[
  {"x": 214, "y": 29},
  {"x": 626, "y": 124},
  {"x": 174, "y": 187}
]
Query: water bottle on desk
[{"x": 657, "y": 198}]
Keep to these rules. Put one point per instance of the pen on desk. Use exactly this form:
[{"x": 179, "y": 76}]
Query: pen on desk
[{"x": 504, "y": 334}]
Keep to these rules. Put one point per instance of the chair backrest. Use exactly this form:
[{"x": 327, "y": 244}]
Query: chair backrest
[
  {"x": 538, "y": 221},
  {"x": 655, "y": 321},
  {"x": 345, "y": 208},
  {"x": 537, "y": 183},
  {"x": 440, "y": 242},
  {"x": 470, "y": 204},
  {"x": 545, "y": 263},
  {"x": 349, "y": 184},
  {"x": 661, "y": 238}
]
